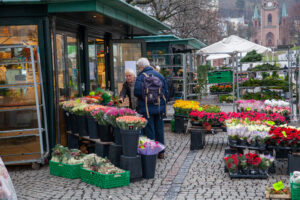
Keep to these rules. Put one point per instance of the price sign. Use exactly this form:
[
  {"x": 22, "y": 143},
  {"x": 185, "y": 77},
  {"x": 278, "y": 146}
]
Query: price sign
[
  {"x": 278, "y": 186},
  {"x": 284, "y": 133},
  {"x": 248, "y": 109}
]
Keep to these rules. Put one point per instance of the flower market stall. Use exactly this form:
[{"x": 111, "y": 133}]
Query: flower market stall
[{"x": 104, "y": 145}]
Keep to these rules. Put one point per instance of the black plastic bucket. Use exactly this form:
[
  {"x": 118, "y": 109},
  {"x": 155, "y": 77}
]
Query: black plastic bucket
[
  {"x": 132, "y": 164},
  {"x": 148, "y": 166},
  {"x": 105, "y": 133},
  {"x": 101, "y": 149},
  {"x": 197, "y": 139},
  {"x": 82, "y": 125},
  {"x": 92, "y": 125},
  {"x": 72, "y": 141},
  {"x": 68, "y": 119},
  {"x": 117, "y": 135},
  {"x": 114, "y": 155},
  {"x": 74, "y": 123},
  {"x": 130, "y": 139},
  {"x": 179, "y": 124}
]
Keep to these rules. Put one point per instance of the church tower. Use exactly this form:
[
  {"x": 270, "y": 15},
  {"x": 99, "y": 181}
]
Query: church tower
[
  {"x": 284, "y": 27},
  {"x": 270, "y": 23}
]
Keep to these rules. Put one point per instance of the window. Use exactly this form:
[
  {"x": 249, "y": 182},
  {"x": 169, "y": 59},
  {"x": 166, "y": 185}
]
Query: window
[
  {"x": 270, "y": 19},
  {"x": 270, "y": 39}
]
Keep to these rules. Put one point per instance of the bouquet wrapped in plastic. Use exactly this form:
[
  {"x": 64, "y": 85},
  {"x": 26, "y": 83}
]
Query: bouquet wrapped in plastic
[
  {"x": 131, "y": 122},
  {"x": 98, "y": 114},
  {"x": 149, "y": 147}
]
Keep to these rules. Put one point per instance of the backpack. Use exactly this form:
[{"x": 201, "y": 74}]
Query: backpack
[{"x": 152, "y": 91}]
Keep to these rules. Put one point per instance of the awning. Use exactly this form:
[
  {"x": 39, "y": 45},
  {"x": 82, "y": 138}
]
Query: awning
[
  {"x": 217, "y": 56},
  {"x": 233, "y": 44}
]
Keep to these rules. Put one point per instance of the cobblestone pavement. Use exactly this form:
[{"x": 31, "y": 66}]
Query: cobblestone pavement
[{"x": 184, "y": 174}]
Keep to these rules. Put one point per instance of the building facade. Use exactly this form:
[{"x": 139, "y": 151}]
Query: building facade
[{"x": 270, "y": 24}]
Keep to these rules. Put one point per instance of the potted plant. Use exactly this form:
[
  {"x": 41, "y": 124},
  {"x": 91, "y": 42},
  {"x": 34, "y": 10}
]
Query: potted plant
[
  {"x": 148, "y": 149},
  {"x": 130, "y": 127},
  {"x": 253, "y": 161},
  {"x": 266, "y": 162},
  {"x": 104, "y": 129},
  {"x": 231, "y": 163},
  {"x": 79, "y": 111},
  {"x": 92, "y": 123},
  {"x": 242, "y": 164}
]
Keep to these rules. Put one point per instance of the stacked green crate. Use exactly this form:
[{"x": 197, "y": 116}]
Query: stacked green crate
[{"x": 220, "y": 77}]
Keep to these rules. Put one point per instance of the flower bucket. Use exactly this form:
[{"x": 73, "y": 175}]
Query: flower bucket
[
  {"x": 130, "y": 139},
  {"x": 148, "y": 166},
  {"x": 92, "y": 127},
  {"x": 67, "y": 116},
  {"x": 74, "y": 123},
  {"x": 105, "y": 134},
  {"x": 82, "y": 125},
  {"x": 117, "y": 135},
  {"x": 114, "y": 154},
  {"x": 132, "y": 164},
  {"x": 197, "y": 139}
]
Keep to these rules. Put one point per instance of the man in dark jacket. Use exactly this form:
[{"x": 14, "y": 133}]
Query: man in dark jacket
[{"x": 155, "y": 127}]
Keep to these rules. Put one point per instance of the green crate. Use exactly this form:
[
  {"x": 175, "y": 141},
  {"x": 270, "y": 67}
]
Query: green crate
[
  {"x": 105, "y": 180},
  {"x": 295, "y": 190},
  {"x": 220, "y": 74},
  {"x": 220, "y": 79},
  {"x": 65, "y": 170}
]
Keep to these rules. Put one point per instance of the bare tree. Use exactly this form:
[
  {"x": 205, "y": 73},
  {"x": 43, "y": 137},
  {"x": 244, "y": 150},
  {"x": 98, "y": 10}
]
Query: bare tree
[{"x": 187, "y": 18}]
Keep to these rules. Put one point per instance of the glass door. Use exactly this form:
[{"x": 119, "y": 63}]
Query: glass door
[
  {"x": 124, "y": 54},
  {"x": 67, "y": 61},
  {"x": 97, "y": 64}
]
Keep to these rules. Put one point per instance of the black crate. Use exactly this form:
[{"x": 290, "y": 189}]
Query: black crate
[
  {"x": 114, "y": 155},
  {"x": 72, "y": 141},
  {"x": 179, "y": 124}
]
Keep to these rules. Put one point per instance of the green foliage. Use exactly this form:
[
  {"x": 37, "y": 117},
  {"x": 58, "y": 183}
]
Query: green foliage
[
  {"x": 262, "y": 95},
  {"x": 252, "y": 56},
  {"x": 166, "y": 72},
  {"x": 264, "y": 67},
  {"x": 268, "y": 81},
  {"x": 202, "y": 79},
  {"x": 226, "y": 98}
]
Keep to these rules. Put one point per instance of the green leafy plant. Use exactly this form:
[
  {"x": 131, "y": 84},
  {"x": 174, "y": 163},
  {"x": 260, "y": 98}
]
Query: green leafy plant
[{"x": 252, "y": 56}]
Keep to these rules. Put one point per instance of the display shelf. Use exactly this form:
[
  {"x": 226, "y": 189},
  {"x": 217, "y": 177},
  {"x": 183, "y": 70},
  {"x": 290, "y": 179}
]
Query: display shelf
[
  {"x": 248, "y": 176},
  {"x": 21, "y": 85},
  {"x": 238, "y": 146},
  {"x": 279, "y": 70},
  {"x": 18, "y": 108},
  {"x": 93, "y": 140},
  {"x": 251, "y": 87},
  {"x": 16, "y": 63}
]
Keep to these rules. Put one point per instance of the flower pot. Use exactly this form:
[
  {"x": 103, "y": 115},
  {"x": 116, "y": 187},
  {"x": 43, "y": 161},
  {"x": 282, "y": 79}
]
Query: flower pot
[
  {"x": 244, "y": 142},
  {"x": 132, "y": 164},
  {"x": 105, "y": 133},
  {"x": 101, "y": 149},
  {"x": 74, "y": 123},
  {"x": 67, "y": 116},
  {"x": 130, "y": 139},
  {"x": 197, "y": 139},
  {"x": 117, "y": 135},
  {"x": 293, "y": 163},
  {"x": 179, "y": 125},
  {"x": 72, "y": 141},
  {"x": 232, "y": 142},
  {"x": 148, "y": 166},
  {"x": 92, "y": 127},
  {"x": 114, "y": 154},
  {"x": 82, "y": 125},
  {"x": 207, "y": 127}
]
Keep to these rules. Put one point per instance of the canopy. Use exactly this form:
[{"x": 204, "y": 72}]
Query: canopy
[
  {"x": 217, "y": 56},
  {"x": 233, "y": 44}
]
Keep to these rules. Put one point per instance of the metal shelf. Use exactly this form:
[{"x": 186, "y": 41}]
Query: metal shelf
[
  {"x": 18, "y": 136},
  {"x": 13, "y": 108},
  {"x": 17, "y": 63},
  {"x": 21, "y": 130},
  {"x": 251, "y": 87},
  {"x": 18, "y": 85}
]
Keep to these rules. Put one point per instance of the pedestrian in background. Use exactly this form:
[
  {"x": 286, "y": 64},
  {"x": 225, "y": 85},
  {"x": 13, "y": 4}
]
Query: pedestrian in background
[{"x": 151, "y": 89}]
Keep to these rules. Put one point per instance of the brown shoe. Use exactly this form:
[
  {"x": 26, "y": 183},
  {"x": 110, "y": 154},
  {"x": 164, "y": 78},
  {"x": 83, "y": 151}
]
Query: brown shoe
[{"x": 161, "y": 156}]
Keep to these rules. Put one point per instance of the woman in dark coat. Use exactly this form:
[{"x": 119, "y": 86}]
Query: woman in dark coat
[{"x": 128, "y": 89}]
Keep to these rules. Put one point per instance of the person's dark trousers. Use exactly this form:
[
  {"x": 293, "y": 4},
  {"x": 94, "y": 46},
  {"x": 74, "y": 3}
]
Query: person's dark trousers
[{"x": 155, "y": 128}]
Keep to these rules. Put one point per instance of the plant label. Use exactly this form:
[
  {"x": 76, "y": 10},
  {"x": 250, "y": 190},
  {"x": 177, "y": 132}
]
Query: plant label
[
  {"x": 278, "y": 186},
  {"x": 284, "y": 133}
]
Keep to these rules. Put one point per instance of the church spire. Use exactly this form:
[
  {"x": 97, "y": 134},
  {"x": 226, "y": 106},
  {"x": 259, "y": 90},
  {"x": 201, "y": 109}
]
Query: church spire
[
  {"x": 284, "y": 13},
  {"x": 256, "y": 15}
]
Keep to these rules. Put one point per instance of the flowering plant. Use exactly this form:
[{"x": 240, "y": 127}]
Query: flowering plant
[
  {"x": 68, "y": 105},
  {"x": 231, "y": 163},
  {"x": 266, "y": 162},
  {"x": 183, "y": 107},
  {"x": 149, "y": 147},
  {"x": 206, "y": 117},
  {"x": 220, "y": 88},
  {"x": 79, "y": 109},
  {"x": 131, "y": 122},
  {"x": 113, "y": 113},
  {"x": 286, "y": 136},
  {"x": 98, "y": 114},
  {"x": 253, "y": 159},
  {"x": 89, "y": 109}
]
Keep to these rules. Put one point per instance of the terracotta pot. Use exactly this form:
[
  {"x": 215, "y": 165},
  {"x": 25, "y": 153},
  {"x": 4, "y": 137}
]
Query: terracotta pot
[{"x": 207, "y": 127}]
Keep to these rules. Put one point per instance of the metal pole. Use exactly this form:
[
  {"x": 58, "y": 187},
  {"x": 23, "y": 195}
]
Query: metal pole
[
  {"x": 290, "y": 79},
  {"x": 298, "y": 84},
  {"x": 56, "y": 79},
  {"x": 184, "y": 76},
  {"x": 237, "y": 77},
  {"x": 233, "y": 85}
]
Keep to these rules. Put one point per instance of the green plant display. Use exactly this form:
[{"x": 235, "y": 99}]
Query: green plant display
[
  {"x": 226, "y": 98},
  {"x": 265, "y": 67},
  {"x": 262, "y": 95},
  {"x": 201, "y": 79},
  {"x": 252, "y": 56}
]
